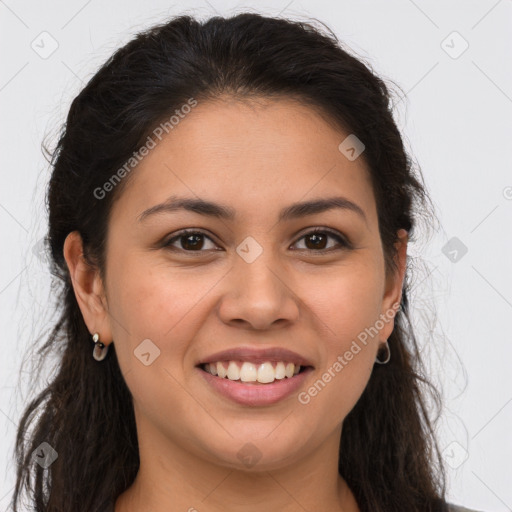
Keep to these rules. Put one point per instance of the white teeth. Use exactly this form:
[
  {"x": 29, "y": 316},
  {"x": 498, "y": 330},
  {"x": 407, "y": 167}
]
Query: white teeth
[
  {"x": 233, "y": 371},
  {"x": 289, "y": 370},
  {"x": 248, "y": 372},
  {"x": 263, "y": 373},
  {"x": 280, "y": 371},
  {"x": 266, "y": 373},
  {"x": 221, "y": 371}
]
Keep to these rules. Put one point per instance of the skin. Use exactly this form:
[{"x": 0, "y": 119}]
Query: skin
[{"x": 258, "y": 158}]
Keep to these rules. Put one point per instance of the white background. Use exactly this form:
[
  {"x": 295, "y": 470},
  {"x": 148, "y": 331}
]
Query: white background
[{"x": 456, "y": 120}]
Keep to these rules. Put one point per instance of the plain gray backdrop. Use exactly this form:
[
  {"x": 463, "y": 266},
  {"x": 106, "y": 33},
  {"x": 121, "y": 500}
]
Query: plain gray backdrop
[{"x": 452, "y": 61}]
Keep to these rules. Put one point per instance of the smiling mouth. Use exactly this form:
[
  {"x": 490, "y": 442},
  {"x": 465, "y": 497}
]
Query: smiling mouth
[{"x": 253, "y": 373}]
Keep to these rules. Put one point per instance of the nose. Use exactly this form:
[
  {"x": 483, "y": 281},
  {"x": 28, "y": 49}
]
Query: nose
[{"x": 259, "y": 295}]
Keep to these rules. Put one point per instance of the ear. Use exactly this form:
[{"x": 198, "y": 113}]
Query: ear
[
  {"x": 394, "y": 283},
  {"x": 88, "y": 288}
]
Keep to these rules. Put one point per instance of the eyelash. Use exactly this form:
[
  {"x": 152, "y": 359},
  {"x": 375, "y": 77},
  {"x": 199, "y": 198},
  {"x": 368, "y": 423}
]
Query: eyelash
[{"x": 333, "y": 234}]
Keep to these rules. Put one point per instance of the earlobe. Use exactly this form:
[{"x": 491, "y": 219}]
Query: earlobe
[{"x": 88, "y": 287}]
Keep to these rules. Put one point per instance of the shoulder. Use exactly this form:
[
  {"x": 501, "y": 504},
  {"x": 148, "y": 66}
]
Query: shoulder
[{"x": 458, "y": 508}]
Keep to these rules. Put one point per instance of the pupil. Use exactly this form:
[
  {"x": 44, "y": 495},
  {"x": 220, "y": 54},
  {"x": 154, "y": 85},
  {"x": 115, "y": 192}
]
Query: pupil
[
  {"x": 317, "y": 240},
  {"x": 192, "y": 240}
]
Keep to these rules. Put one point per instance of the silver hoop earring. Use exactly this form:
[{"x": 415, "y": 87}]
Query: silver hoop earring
[
  {"x": 100, "y": 350},
  {"x": 386, "y": 354}
]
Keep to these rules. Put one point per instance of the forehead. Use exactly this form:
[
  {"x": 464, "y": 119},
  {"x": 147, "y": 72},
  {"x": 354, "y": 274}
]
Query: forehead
[{"x": 252, "y": 154}]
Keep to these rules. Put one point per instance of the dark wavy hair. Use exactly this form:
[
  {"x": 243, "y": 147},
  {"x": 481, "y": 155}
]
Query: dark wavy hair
[{"x": 388, "y": 454}]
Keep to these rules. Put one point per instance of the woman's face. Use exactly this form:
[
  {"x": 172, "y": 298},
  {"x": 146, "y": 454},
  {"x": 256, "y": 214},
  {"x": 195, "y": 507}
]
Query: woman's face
[{"x": 255, "y": 280}]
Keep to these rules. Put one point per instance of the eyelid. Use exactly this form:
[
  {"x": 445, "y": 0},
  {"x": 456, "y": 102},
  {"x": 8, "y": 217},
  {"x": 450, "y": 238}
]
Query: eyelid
[
  {"x": 184, "y": 232},
  {"x": 343, "y": 241}
]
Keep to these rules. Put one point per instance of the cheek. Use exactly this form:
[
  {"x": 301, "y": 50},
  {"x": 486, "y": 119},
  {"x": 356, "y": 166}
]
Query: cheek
[
  {"x": 346, "y": 310},
  {"x": 155, "y": 311},
  {"x": 347, "y": 302},
  {"x": 335, "y": 391},
  {"x": 155, "y": 300}
]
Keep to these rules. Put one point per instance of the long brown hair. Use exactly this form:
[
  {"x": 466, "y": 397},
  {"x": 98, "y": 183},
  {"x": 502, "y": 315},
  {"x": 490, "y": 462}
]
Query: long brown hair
[{"x": 388, "y": 453}]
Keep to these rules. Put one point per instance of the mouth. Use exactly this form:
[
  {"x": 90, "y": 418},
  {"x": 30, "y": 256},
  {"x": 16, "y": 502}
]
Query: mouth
[
  {"x": 254, "y": 384},
  {"x": 255, "y": 377},
  {"x": 253, "y": 373}
]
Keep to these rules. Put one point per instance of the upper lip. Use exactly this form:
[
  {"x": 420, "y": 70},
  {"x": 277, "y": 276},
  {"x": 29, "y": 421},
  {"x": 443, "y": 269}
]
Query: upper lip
[{"x": 257, "y": 355}]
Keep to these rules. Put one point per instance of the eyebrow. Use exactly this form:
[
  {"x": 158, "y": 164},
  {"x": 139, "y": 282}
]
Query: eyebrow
[{"x": 211, "y": 209}]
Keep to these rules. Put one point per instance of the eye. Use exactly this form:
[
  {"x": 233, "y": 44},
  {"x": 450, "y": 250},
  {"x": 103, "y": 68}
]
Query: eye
[
  {"x": 189, "y": 240},
  {"x": 316, "y": 240}
]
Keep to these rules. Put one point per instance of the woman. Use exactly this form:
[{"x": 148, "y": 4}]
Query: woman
[{"x": 229, "y": 212}]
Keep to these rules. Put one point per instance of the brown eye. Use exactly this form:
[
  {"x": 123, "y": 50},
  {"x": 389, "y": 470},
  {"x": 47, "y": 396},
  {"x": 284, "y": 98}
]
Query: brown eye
[
  {"x": 192, "y": 242},
  {"x": 317, "y": 240},
  {"x": 189, "y": 241}
]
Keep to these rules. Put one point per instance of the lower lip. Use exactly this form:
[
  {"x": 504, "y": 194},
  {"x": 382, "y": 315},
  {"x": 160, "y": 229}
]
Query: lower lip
[{"x": 255, "y": 394}]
